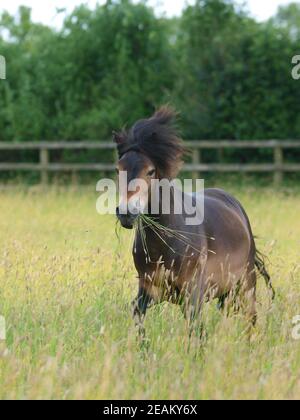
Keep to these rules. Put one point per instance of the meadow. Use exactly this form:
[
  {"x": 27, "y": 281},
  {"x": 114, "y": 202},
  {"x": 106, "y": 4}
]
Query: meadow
[{"x": 66, "y": 283}]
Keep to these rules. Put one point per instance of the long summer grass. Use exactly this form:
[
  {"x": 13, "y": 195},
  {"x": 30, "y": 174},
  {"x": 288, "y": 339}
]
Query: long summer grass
[{"x": 66, "y": 284}]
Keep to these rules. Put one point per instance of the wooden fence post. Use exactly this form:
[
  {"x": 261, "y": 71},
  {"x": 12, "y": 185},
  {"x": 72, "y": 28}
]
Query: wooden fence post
[
  {"x": 278, "y": 162},
  {"x": 196, "y": 157},
  {"x": 196, "y": 161},
  {"x": 44, "y": 161}
]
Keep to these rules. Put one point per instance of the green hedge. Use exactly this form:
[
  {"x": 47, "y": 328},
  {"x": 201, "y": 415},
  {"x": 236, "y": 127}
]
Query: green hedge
[{"x": 228, "y": 75}]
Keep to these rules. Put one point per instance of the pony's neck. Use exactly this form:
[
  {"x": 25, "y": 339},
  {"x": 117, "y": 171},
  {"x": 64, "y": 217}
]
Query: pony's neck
[{"x": 170, "y": 218}]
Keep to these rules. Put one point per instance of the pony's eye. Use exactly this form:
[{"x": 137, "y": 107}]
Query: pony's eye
[{"x": 151, "y": 173}]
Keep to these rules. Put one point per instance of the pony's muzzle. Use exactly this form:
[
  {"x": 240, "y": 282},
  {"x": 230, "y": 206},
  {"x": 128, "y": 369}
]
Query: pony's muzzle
[{"x": 127, "y": 220}]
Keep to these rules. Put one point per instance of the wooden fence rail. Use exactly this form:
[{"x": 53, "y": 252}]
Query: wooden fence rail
[{"x": 45, "y": 166}]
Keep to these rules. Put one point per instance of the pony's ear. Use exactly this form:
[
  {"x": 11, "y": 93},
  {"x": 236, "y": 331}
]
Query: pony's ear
[
  {"x": 119, "y": 137},
  {"x": 165, "y": 115}
]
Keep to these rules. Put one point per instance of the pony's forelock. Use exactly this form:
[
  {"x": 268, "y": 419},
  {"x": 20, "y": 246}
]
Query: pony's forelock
[{"x": 156, "y": 137}]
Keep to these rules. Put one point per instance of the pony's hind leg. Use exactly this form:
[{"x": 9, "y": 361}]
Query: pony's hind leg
[
  {"x": 230, "y": 300},
  {"x": 242, "y": 298},
  {"x": 248, "y": 297}
]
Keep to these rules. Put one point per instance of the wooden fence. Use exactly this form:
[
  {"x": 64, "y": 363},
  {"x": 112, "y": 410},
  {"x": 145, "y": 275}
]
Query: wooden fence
[{"x": 197, "y": 167}]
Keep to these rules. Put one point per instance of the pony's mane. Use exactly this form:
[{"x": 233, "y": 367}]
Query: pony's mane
[{"x": 156, "y": 137}]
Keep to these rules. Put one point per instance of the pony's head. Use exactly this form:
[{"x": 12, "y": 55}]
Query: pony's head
[{"x": 151, "y": 149}]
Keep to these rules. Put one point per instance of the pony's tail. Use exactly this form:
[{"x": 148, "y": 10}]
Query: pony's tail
[{"x": 261, "y": 267}]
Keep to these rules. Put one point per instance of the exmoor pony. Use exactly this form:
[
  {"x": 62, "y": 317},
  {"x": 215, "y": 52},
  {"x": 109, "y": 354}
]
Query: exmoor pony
[{"x": 179, "y": 263}]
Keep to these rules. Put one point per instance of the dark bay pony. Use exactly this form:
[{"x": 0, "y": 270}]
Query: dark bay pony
[{"x": 186, "y": 265}]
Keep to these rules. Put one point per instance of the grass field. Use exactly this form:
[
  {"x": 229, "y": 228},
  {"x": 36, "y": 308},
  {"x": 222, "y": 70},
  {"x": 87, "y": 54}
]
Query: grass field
[{"x": 66, "y": 283}]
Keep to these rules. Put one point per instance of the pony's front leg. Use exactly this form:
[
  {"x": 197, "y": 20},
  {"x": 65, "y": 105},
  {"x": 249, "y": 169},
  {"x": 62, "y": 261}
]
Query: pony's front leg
[
  {"x": 192, "y": 307},
  {"x": 140, "y": 306}
]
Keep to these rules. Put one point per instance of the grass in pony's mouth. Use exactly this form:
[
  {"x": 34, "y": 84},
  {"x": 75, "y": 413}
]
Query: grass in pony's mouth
[{"x": 160, "y": 229}]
